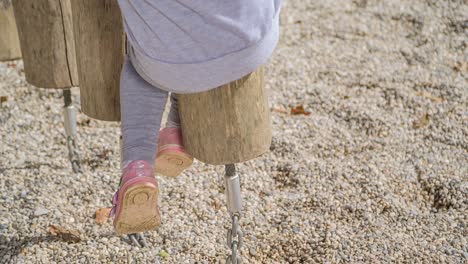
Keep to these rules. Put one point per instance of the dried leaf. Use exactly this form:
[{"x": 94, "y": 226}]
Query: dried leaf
[
  {"x": 461, "y": 66},
  {"x": 3, "y": 99},
  {"x": 102, "y": 214},
  {"x": 279, "y": 110},
  {"x": 422, "y": 121},
  {"x": 105, "y": 154},
  {"x": 70, "y": 236},
  {"x": 299, "y": 110}
]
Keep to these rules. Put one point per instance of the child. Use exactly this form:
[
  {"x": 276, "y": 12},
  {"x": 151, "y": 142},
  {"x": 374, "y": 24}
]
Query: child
[{"x": 180, "y": 47}]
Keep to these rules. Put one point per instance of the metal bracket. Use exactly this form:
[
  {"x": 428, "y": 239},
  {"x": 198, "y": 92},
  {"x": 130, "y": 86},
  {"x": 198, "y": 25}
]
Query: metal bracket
[
  {"x": 234, "y": 205},
  {"x": 69, "y": 119}
]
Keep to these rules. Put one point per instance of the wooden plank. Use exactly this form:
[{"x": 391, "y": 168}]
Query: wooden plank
[
  {"x": 229, "y": 124},
  {"x": 42, "y": 29},
  {"x": 9, "y": 42},
  {"x": 69, "y": 40},
  {"x": 100, "y": 48}
]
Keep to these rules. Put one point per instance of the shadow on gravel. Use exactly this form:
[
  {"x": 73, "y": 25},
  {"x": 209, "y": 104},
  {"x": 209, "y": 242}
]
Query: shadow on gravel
[
  {"x": 29, "y": 166},
  {"x": 15, "y": 246}
]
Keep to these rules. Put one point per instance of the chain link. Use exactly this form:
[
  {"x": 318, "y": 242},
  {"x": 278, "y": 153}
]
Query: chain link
[
  {"x": 73, "y": 155},
  {"x": 234, "y": 241},
  {"x": 138, "y": 239}
]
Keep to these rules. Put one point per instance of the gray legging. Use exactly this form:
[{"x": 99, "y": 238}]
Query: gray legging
[{"x": 142, "y": 106}]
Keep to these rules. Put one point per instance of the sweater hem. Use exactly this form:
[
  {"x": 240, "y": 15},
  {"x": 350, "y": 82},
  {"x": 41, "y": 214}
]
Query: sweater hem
[{"x": 199, "y": 77}]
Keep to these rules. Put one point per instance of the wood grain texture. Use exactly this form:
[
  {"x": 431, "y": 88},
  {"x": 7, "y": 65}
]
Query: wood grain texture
[
  {"x": 9, "y": 42},
  {"x": 70, "y": 40},
  {"x": 46, "y": 38},
  {"x": 229, "y": 124},
  {"x": 100, "y": 48}
]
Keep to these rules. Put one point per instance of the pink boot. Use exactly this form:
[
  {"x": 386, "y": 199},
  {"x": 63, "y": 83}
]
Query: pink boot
[
  {"x": 171, "y": 158},
  {"x": 135, "y": 204}
]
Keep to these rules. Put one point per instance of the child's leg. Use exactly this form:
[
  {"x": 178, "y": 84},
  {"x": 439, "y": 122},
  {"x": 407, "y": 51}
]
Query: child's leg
[
  {"x": 173, "y": 119},
  {"x": 172, "y": 158},
  {"x": 142, "y": 106},
  {"x": 135, "y": 204}
]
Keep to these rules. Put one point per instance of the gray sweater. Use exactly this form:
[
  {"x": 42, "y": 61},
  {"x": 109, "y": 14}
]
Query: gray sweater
[{"x": 187, "y": 46}]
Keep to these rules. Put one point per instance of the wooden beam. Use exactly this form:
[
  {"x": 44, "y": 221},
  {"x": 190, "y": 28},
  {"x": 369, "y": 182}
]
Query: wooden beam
[
  {"x": 9, "y": 42},
  {"x": 100, "y": 42},
  {"x": 46, "y": 38},
  {"x": 229, "y": 124}
]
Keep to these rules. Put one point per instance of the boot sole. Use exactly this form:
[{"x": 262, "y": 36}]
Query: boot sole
[
  {"x": 140, "y": 211},
  {"x": 172, "y": 163}
]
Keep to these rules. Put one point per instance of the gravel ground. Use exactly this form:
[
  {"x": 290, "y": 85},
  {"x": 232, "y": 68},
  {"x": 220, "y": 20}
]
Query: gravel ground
[{"x": 377, "y": 173}]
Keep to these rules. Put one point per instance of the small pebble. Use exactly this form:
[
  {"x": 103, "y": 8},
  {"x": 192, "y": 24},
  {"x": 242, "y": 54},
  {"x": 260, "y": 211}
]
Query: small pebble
[{"x": 40, "y": 211}]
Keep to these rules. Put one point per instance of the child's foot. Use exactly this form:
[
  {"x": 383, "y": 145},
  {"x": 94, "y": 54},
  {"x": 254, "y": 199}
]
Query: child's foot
[
  {"x": 135, "y": 204},
  {"x": 171, "y": 159}
]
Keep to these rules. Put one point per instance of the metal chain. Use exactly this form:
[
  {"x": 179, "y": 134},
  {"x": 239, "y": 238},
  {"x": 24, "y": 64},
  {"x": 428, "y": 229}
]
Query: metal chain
[
  {"x": 73, "y": 155},
  {"x": 234, "y": 205},
  {"x": 138, "y": 239},
  {"x": 235, "y": 241}
]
